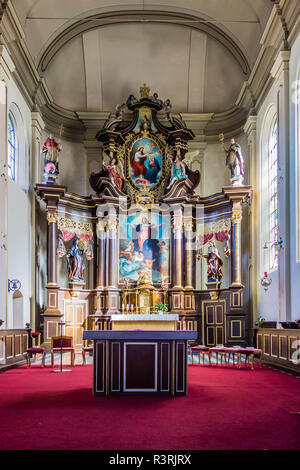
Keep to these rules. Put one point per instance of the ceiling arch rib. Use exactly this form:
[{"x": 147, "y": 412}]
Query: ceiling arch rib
[{"x": 136, "y": 17}]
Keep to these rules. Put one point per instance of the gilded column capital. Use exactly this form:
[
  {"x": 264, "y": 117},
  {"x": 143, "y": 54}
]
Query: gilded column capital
[
  {"x": 236, "y": 216},
  {"x": 188, "y": 226},
  {"x": 52, "y": 217},
  {"x": 112, "y": 224},
  {"x": 177, "y": 225},
  {"x": 100, "y": 226}
]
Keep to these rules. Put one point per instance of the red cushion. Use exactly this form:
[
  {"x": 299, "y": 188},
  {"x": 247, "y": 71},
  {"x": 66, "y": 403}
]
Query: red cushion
[
  {"x": 231, "y": 350},
  {"x": 245, "y": 351},
  {"x": 88, "y": 349},
  {"x": 218, "y": 350},
  {"x": 64, "y": 349},
  {"x": 199, "y": 348},
  {"x": 35, "y": 333},
  {"x": 35, "y": 350}
]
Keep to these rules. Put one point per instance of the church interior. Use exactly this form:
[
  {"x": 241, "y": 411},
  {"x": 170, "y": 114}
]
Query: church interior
[{"x": 150, "y": 224}]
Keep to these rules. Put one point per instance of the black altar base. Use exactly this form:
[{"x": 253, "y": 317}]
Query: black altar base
[{"x": 139, "y": 362}]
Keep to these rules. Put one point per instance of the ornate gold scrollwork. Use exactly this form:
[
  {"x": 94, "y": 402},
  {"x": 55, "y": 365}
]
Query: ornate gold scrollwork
[
  {"x": 100, "y": 226},
  {"x": 236, "y": 216},
  {"x": 188, "y": 225},
  {"x": 70, "y": 225},
  {"x": 52, "y": 217},
  {"x": 112, "y": 224}
]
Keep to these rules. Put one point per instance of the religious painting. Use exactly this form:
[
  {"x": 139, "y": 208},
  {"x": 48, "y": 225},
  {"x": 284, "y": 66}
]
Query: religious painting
[
  {"x": 144, "y": 249},
  {"x": 145, "y": 122},
  {"x": 145, "y": 163}
]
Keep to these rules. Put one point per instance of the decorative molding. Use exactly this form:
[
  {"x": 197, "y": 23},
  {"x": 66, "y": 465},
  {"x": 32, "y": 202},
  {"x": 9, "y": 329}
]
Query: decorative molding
[
  {"x": 192, "y": 21},
  {"x": 52, "y": 217},
  {"x": 70, "y": 225}
]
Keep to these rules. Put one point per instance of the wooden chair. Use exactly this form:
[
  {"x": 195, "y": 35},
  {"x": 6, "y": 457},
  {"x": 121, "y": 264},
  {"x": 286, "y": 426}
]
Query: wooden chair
[
  {"x": 67, "y": 346},
  {"x": 86, "y": 349},
  {"x": 35, "y": 350}
]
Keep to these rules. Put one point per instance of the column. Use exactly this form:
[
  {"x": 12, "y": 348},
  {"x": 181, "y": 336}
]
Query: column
[
  {"x": 101, "y": 264},
  {"x": 188, "y": 253},
  {"x": 112, "y": 262},
  {"x": 237, "y": 195},
  {"x": 177, "y": 243},
  {"x": 51, "y": 194},
  {"x": 101, "y": 255},
  {"x": 280, "y": 73},
  {"x": 3, "y": 203},
  {"x": 250, "y": 130},
  {"x": 37, "y": 126},
  {"x": 236, "y": 252},
  {"x": 52, "y": 218}
]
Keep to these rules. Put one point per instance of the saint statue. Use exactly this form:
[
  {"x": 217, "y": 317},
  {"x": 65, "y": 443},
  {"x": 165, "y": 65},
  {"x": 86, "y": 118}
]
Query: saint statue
[
  {"x": 75, "y": 262},
  {"x": 50, "y": 153},
  {"x": 227, "y": 246},
  {"x": 234, "y": 161},
  {"x": 214, "y": 263}
]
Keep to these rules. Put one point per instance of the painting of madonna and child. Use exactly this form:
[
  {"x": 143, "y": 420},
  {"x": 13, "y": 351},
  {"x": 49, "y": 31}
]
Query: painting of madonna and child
[
  {"x": 145, "y": 163},
  {"x": 144, "y": 249}
]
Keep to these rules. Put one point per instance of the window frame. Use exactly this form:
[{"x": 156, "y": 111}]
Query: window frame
[
  {"x": 273, "y": 203},
  {"x": 12, "y": 146}
]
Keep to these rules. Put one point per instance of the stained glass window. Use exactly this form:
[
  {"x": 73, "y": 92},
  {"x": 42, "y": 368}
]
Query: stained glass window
[
  {"x": 273, "y": 195},
  {"x": 11, "y": 149}
]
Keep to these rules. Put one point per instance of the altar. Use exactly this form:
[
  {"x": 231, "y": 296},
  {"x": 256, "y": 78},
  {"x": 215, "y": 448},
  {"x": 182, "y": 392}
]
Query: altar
[
  {"x": 144, "y": 322},
  {"x": 145, "y": 241},
  {"x": 138, "y": 362}
]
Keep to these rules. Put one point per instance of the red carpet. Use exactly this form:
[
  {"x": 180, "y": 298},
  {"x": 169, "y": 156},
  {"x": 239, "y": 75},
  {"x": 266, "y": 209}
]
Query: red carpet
[{"x": 224, "y": 409}]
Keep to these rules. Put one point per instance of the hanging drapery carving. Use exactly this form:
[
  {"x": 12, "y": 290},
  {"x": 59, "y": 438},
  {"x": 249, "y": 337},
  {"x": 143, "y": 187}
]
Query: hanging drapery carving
[
  {"x": 69, "y": 228},
  {"x": 218, "y": 229}
]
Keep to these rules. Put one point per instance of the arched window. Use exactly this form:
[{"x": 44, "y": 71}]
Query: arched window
[
  {"x": 11, "y": 149},
  {"x": 273, "y": 194}
]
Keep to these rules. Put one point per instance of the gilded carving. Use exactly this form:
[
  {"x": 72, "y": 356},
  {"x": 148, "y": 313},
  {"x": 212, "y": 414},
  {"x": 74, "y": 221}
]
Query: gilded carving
[
  {"x": 112, "y": 224},
  {"x": 70, "y": 225},
  {"x": 236, "y": 216},
  {"x": 100, "y": 226},
  {"x": 52, "y": 217}
]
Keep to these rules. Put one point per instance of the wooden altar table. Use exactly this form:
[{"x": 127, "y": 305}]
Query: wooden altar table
[{"x": 138, "y": 362}]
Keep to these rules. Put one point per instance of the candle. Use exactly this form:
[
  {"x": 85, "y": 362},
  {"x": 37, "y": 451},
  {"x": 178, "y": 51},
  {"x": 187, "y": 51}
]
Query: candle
[
  {"x": 123, "y": 307},
  {"x": 266, "y": 274},
  {"x": 132, "y": 307},
  {"x": 127, "y": 307}
]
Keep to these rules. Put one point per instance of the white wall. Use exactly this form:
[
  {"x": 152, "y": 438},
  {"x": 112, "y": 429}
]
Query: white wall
[
  {"x": 19, "y": 262},
  {"x": 295, "y": 179},
  {"x": 268, "y": 302},
  {"x": 18, "y": 248}
]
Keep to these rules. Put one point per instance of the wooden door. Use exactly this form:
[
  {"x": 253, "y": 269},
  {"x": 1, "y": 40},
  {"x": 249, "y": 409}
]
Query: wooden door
[
  {"x": 75, "y": 315},
  {"x": 214, "y": 324}
]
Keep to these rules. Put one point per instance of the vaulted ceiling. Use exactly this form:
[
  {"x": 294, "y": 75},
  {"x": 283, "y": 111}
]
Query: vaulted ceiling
[{"x": 93, "y": 54}]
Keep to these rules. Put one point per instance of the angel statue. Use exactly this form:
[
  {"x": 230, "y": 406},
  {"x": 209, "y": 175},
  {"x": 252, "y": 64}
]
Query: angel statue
[
  {"x": 179, "y": 169},
  {"x": 114, "y": 121},
  {"x": 214, "y": 263},
  {"x": 115, "y": 177},
  {"x": 234, "y": 160}
]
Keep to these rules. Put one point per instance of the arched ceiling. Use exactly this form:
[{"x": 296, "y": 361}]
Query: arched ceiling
[{"x": 93, "y": 54}]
